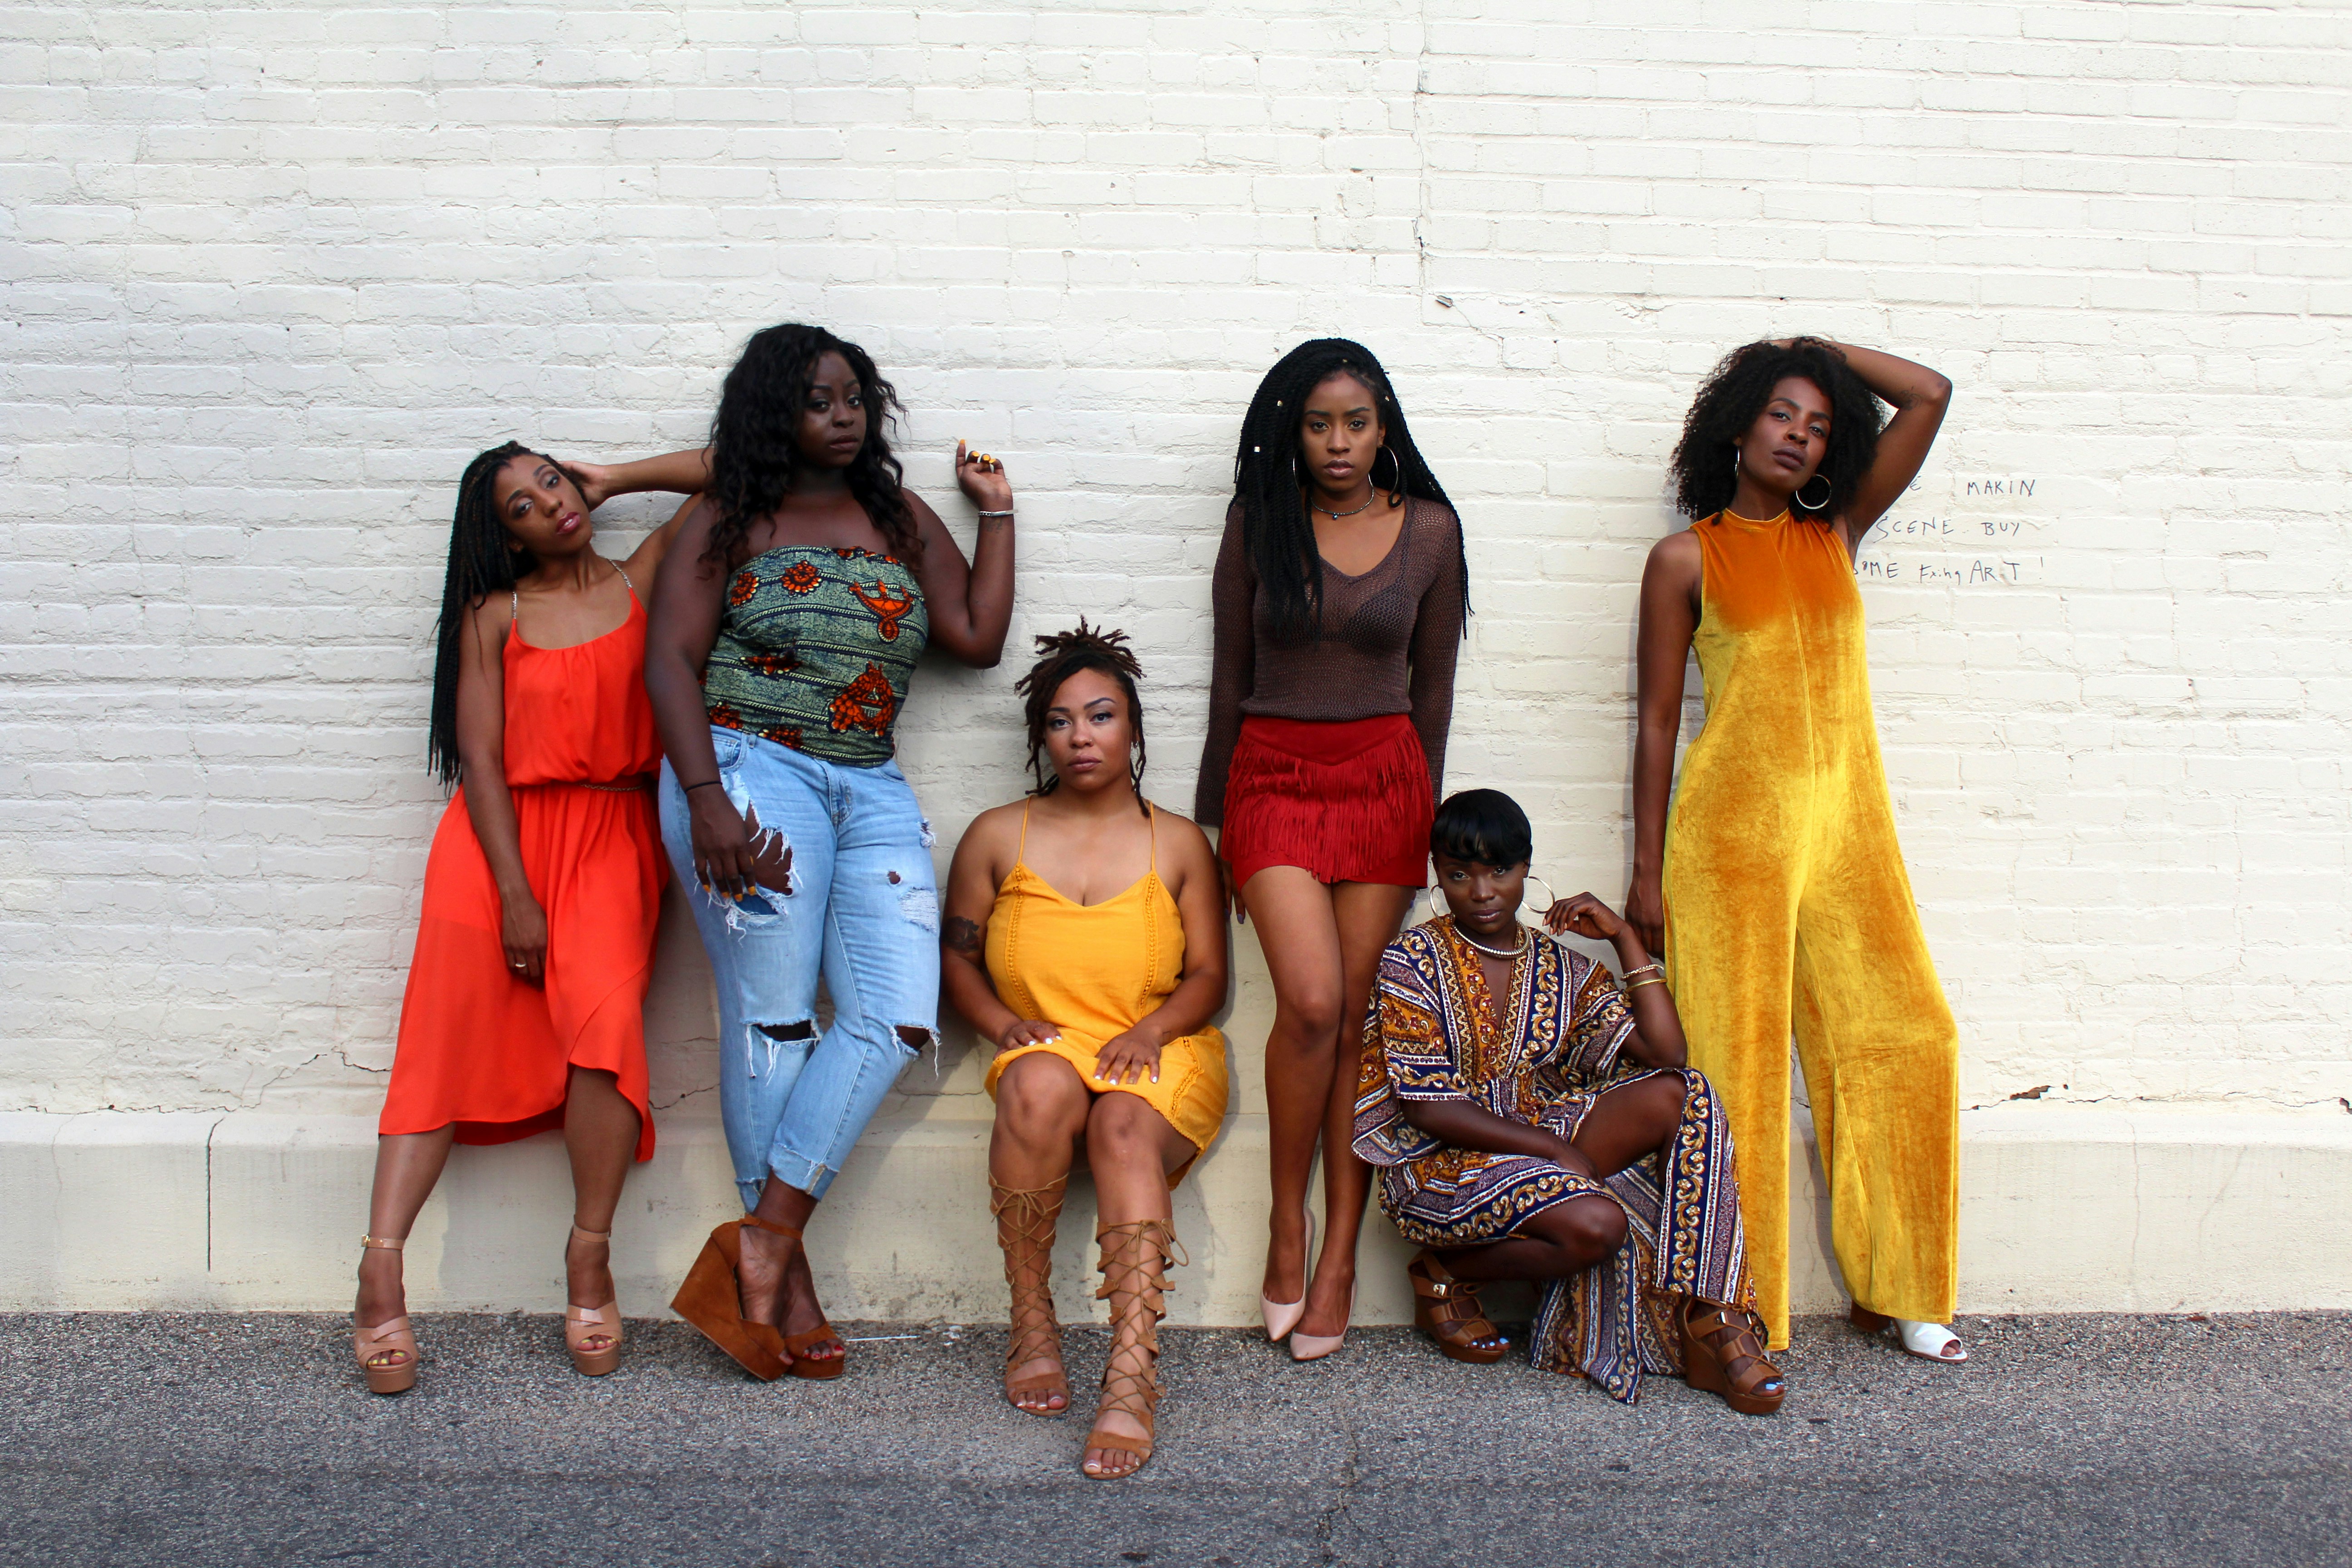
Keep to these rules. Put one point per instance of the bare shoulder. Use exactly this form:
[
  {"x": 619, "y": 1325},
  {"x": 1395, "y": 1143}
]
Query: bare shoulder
[
  {"x": 992, "y": 829},
  {"x": 1181, "y": 837},
  {"x": 1678, "y": 549}
]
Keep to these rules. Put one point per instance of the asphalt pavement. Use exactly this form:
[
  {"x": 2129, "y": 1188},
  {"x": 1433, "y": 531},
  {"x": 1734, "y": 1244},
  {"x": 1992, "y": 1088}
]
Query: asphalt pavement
[{"x": 208, "y": 1440}]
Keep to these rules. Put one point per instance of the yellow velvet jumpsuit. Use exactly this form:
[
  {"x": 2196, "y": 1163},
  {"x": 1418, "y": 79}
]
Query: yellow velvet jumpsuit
[{"x": 1787, "y": 903}]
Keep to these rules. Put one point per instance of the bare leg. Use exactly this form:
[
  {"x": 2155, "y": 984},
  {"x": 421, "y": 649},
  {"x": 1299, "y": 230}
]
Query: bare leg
[
  {"x": 408, "y": 1166},
  {"x": 599, "y": 1134},
  {"x": 1367, "y": 915},
  {"x": 1131, "y": 1149},
  {"x": 1300, "y": 937},
  {"x": 1041, "y": 1115},
  {"x": 1564, "y": 1240}
]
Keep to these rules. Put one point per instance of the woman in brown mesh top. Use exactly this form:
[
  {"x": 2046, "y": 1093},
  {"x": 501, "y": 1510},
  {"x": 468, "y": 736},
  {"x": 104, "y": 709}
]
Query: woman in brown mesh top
[{"x": 1340, "y": 592}]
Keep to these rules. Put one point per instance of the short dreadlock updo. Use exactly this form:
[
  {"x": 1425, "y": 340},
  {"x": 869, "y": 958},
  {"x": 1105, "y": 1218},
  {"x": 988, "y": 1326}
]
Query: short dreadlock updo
[{"x": 1061, "y": 655}]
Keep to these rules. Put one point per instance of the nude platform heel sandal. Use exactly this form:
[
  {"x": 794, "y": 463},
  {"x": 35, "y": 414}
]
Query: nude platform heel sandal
[
  {"x": 391, "y": 1337},
  {"x": 581, "y": 1324}
]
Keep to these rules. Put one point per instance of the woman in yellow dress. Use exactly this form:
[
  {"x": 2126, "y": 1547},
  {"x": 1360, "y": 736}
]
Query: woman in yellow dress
[
  {"x": 1085, "y": 937},
  {"x": 1777, "y": 887}
]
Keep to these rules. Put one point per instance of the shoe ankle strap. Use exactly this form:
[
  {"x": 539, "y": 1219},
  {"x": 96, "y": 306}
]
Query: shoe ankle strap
[
  {"x": 756, "y": 1223},
  {"x": 384, "y": 1243}
]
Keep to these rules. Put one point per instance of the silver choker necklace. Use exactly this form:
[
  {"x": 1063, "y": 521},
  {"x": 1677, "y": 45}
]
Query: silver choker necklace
[
  {"x": 1336, "y": 515},
  {"x": 1493, "y": 952}
]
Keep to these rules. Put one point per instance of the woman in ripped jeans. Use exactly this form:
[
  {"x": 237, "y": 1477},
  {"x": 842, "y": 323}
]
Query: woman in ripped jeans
[{"x": 802, "y": 589}]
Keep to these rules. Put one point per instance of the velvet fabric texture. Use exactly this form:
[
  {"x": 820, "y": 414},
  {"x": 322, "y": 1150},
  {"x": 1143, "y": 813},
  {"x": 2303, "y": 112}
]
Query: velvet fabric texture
[{"x": 1787, "y": 904}]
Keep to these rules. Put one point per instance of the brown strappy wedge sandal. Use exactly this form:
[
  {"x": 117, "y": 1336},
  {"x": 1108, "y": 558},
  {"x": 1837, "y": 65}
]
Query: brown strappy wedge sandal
[
  {"x": 712, "y": 1300},
  {"x": 1726, "y": 1358},
  {"x": 1448, "y": 1311},
  {"x": 797, "y": 1345},
  {"x": 1135, "y": 1259},
  {"x": 389, "y": 1339},
  {"x": 581, "y": 1324},
  {"x": 1025, "y": 1224}
]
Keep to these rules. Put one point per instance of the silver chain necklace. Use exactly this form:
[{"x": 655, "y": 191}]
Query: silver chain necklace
[{"x": 1336, "y": 515}]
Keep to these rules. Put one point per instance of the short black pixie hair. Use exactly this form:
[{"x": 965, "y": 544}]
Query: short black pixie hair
[{"x": 1485, "y": 826}]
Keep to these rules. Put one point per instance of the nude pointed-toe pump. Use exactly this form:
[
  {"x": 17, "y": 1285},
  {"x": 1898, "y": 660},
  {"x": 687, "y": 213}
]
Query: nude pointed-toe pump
[{"x": 1281, "y": 1316}]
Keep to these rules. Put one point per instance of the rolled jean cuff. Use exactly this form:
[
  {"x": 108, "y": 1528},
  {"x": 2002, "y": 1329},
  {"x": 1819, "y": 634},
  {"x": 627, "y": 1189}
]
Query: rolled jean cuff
[{"x": 811, "y": 1176}]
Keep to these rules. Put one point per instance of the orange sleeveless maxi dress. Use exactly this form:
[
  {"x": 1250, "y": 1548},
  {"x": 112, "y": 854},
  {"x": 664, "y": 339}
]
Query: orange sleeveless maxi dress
[{"x": 478, "y": 1046}]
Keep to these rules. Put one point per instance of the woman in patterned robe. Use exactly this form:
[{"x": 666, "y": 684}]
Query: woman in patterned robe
[{"x": 1532, "y": 1122}]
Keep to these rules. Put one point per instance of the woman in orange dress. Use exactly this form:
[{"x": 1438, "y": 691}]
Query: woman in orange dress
[{"x": 524, "y": 1004}]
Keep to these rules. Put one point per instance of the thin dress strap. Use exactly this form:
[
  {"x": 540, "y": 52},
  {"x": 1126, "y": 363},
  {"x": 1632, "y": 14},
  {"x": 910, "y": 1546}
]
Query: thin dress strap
[
  {"x": 632, "y": 587},
  {"x": 1151, "y": 815},
  {"x": 514, "y": 608},
  {"x": 1022, "y": 854}
]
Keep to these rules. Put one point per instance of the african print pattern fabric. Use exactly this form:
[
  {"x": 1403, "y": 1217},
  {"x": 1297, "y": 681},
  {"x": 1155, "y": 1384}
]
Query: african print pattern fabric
[
  {"x": 815, "y": 647},
  {"x": 1434, "y": 1032}
]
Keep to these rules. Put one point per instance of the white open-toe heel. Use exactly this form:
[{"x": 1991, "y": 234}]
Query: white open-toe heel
[
  {"x": 1928, "y": 1341},
  {"x": 1281, "y": 1316}
]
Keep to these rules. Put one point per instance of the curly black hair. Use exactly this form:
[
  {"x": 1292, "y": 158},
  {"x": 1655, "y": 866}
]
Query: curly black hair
[
  {"x": 1062, "y": 654},
  {"x": 1271, "y": 484},
  {"x": 753, "y": 439},
  {"x": 483, "y": 560},
  {"x": 1736, "y": 392}
]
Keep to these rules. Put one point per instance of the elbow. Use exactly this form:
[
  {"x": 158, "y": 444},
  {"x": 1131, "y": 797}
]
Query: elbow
[{"x": 1937, "y": 393}]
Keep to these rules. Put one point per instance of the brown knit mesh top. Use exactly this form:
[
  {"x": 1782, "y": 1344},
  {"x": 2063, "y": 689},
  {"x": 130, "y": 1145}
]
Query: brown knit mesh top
[{"x": 1389, "y": 643}]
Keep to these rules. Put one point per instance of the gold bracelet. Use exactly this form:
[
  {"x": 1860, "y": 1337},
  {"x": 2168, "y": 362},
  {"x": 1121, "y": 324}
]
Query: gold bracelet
[{"x": 1645, "y": 980}]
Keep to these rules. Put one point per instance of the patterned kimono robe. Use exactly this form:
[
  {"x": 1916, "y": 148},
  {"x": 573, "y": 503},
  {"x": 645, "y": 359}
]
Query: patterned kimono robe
[{"x": 1541, "y": 1058}]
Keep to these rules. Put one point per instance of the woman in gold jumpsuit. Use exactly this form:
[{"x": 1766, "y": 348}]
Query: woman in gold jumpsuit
[{"x": 1777, "y": 885}]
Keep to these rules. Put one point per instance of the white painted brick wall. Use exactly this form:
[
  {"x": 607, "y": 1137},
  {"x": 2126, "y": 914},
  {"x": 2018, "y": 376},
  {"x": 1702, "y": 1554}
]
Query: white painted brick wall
[{"x": 272, "y": 273}]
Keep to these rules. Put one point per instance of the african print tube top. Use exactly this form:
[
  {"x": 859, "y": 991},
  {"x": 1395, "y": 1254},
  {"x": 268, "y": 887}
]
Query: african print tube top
[{"x": 815, "y": 650}]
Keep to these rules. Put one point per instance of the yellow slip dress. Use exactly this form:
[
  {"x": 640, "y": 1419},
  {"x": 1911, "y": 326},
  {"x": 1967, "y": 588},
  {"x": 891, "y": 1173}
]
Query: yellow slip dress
[
  {"x": 1787, "y": 904},
  {"x": 1096, "y": 970}
]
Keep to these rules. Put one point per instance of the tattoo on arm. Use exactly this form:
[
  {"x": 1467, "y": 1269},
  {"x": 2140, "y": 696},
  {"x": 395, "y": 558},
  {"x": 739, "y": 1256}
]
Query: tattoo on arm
[{"x": 961, "y": 936}]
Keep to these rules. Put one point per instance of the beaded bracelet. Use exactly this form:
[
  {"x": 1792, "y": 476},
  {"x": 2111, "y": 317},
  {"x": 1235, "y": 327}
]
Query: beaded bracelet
[
  {"x": 1005, "y": 513},
  {"x": 1651, "y": 968}
]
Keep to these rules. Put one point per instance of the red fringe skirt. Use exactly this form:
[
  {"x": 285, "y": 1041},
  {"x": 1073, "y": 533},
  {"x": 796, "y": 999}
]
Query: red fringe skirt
[{"x": 1349, "y": 802}]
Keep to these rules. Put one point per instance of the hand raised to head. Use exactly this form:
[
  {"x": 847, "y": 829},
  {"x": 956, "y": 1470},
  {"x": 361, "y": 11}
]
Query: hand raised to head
[{"x": 1584, "y": 915}]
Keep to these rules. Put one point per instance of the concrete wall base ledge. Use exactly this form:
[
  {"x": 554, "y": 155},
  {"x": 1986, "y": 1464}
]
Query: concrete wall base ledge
[{"x": 2066, "y": 1208}]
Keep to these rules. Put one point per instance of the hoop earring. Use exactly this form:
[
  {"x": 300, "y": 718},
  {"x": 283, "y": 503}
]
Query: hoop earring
[
  {"x": 1435, "y": 912},
  {"x": 1551, "y": 897},
  {"x": 1396, "y": 470},
  {"x": 1735, "y": 467},
  {"x": 1827, "y": 490}
]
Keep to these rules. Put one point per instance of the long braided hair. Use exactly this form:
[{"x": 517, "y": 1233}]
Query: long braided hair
[
  {"x": 1271, "y": 484},
  {"x": 1061, "y": 655},
  {"x": 483, "y": 560},
  {"x": 754, "y": 450},
  {"x": 1736, "y": 392}
]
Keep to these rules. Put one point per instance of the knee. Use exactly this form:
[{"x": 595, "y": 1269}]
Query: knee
[
  {"x": 1593, "y": 1228},
  {"x": 1665, "y": 1094},
  {"x": 1309, "y": 1016},
  {"x": 1032, "y": 1102},
  {"x": 1119, "y": 1129}
]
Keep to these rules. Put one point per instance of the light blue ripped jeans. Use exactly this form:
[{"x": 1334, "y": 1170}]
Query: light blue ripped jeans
[{"x": 864, "y": 909}]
